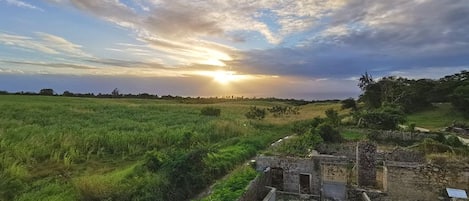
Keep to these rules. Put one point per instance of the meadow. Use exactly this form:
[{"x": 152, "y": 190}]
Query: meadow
[{"x": 66, "y": 148}]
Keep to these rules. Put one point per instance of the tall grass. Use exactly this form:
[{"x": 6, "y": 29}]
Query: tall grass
[{"x": 93, "y": 149}]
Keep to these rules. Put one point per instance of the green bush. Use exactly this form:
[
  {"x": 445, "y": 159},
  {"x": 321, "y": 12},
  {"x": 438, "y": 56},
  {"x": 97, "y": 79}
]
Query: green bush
[
  {"x": 210, "y": 111},
  {"x": 255, "y": 113},
  {"x": 329, "y": 133}
]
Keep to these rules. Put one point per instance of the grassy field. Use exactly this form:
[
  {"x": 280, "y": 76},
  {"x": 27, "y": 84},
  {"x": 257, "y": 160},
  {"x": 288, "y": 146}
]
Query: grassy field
[
  {"x": 63, "y": 148},
  {"x": 436, "y": 118}
]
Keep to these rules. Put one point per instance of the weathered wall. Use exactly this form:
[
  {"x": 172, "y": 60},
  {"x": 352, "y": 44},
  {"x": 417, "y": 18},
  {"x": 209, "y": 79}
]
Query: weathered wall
[
  {"x": 383, "y": 135},
  {"x": 257, "y": 189},
  {"x": 366, "y": 164},
  {"x": 292, "y": 168},
  {"x": 334, "y": 172},
  {"x": 411, "y": 181}
]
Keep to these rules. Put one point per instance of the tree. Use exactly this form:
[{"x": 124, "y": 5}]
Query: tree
[
  {"x": 329, "y": 134},
  {"x": 46, "y": 92},
  {"x": 386, "y": 118},
  {"x": 115, "y": 92},
  {"x": 460, "y": 98},
  {"x": 349, "y": 103},
  {"x": 332, "y": 116}
]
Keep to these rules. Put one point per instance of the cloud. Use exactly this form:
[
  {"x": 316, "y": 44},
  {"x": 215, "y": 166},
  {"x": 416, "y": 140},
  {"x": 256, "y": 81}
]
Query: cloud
[
  {"x": 44, "y": 43},
  {"x": 381, "y": 37},
  {"x": 166, "y": 24},
  {"x": 22, "y": 4}
]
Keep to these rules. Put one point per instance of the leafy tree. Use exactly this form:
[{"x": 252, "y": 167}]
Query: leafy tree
[
  {"x": 67, "y": 93},
  {"x": 349, "y": 103},
  {"x": 46, "y": 92},
  {"x": 115, "y": 93},
  {"x": 329, "y": 134},
  {"x": 460, "y": 98},
  {"x": 386, "y": 118},
  {"x": 255, "y": 113}
]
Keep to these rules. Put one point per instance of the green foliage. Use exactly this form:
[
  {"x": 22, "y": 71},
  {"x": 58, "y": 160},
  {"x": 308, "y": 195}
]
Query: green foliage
[
  {"x": 460, "y": 98},
  {"x": 300, "y": 127},
  {"x": 120, "y": 149},
  {"x": 255, "y": 113},
  {"x": 386, "y": 118},
  {"x": 329, "y": 134},
  {"x": 349, "y": 103},
  {"x": 332, "y": 117},
  {"x": 280, "y": 111},
  {"x": 46, "y": 92},
  {"x": 233, "y": 186},
  {"x": 352, "y": 135},
  {"x": 299, "y": 146},
  {"x": 210, "y": 111}
]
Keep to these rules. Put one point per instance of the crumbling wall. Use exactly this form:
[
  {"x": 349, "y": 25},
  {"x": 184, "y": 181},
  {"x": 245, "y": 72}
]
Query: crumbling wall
[
  {"x": 386, "y": 135},
  {"x": 292, "y": 168},
  {"x": 257, "y": 189},
  {"x": 412, "y": 181},
  {"x": 366, "y": 164}
]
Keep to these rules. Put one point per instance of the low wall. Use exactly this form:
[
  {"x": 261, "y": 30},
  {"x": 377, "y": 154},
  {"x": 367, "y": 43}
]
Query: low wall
[
  {"x": 383, "y": 135},
  {"x": 413, "y": 181},
  {"x": 257, "y": 190}
]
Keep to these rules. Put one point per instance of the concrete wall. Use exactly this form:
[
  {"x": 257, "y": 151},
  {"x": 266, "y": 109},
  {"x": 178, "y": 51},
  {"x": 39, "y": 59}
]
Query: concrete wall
[{"x": 411, "y": 181}]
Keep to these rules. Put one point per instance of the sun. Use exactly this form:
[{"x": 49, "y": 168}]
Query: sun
[{"x": 224, "y": 77}]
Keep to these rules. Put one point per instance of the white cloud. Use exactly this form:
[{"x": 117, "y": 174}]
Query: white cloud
[
  {"x": 22, "y": 4},
  {"x": 45, "y": 43}
]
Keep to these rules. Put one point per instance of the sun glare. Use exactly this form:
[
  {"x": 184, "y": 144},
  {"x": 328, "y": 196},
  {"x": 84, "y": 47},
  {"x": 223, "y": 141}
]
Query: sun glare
[{"x": 224, "y": 77}]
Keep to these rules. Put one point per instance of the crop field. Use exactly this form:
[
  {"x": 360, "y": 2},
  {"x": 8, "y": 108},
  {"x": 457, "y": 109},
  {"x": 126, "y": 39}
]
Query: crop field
[{"x": 64, "y": 148}]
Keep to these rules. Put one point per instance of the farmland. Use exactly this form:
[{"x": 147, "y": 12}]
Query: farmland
[{"x": 65, "y": 148}]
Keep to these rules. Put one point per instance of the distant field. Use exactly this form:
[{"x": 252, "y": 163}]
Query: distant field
[
  {"x": 438, "y": 117},
  {"x": 63, "y": 148}
]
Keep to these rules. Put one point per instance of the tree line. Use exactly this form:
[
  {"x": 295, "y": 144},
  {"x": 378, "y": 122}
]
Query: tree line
[{"x": 384, "y": 102}]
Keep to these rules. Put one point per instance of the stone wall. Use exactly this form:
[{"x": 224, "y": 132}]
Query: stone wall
[
  {"x": 292, "y": 168},
  {"x": 257, "y": 189},
  {"x": 412, "y": 181},
  {"x": 383, "y": 135},
  {"x": 366, "y": 164}
]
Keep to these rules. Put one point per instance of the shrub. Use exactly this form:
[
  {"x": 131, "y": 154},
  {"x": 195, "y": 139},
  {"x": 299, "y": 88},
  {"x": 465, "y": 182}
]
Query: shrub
[
  {"x": 210, "y": 111},
  {"x": 329, "y": 134},
  {"x": 255, "y": 113}
]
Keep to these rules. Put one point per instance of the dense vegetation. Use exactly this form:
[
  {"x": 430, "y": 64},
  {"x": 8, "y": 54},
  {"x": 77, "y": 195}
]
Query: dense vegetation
[
  {"x": 67, "y": 148},
  {"x": 388, "y": 100}
]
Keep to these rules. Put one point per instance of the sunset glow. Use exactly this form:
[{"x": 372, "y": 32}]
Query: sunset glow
[{"x": 227, "y": 43}]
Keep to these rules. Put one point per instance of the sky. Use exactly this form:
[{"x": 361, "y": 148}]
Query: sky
[{"x": 304, "y": 49}]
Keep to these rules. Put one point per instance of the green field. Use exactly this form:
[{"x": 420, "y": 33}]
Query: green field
[
  {"x": 63, "y": 148},
  {"x": 438, "y": 117}
]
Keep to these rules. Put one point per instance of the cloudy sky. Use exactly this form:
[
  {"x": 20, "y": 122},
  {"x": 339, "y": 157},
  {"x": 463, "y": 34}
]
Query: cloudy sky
[{"x": 309, "y": 49}]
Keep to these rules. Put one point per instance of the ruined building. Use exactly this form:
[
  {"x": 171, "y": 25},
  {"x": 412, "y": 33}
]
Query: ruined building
[{"x": 369, "y": 175}]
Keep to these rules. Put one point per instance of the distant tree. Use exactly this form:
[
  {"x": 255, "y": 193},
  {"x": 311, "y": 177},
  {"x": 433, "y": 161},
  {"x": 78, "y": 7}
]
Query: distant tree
[
  {"x": 67, "y": 93},
  {"x": 46, "y": 92},
  {"x": 349, "y": 103},
  {"x": 255, "y": 113},
  {"x": 115, "y": 93}
]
